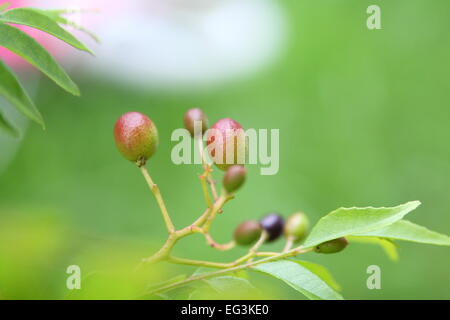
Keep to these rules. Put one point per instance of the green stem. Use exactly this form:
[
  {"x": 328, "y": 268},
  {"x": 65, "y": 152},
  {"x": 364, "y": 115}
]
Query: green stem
[
  {"x": 207, "y": 168},
  {"x": 198, "y": 263},
  {"x": 157, "y": 193},
  {"x": 252, "y": 252},
  {"x": 221, "y": 247},
  {"x": 208, "y": 275},
  {"x": 163, "y": 253},
  {"x": 289, "y": 244},
  {"x": 205, "y": 190},
  {"x": 267, "y": 254},
  {"x": 174, "y": 236},
  {"x": 217, "y": 206}
]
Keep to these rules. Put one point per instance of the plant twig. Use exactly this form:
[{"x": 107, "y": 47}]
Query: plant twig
[
  {"x": 290, "y": 253},
  {"x": 289, "y": 244},
  {"x": 253, "y": 250},
  {"x": 219, "y": 203},
  {"x": 205, "y": 219},
  {"x": 205, "y": 190},
  {"x": 157, "y": 193},
  {"x": 198, "y": 263},
  {"x": 207, "y": 169},
  {"x": 221, "y": 247}
]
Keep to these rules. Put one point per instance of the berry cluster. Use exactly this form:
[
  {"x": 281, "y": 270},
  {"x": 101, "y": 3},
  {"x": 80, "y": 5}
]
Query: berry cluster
[
  {"x": 295, "y": 229},
  {"x": 137, "y": 139}
]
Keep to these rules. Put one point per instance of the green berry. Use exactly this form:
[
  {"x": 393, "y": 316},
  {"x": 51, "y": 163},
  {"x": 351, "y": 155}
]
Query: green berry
[
  {"x": 332, "y": 246},
  {"x": 296, "y": 226},
  {"x": 247, "y": 233},
  {"x": 227, "y": 136},
  {"x": 234, "y": 178},
  {"x": 136, "y": 136},
  {"x": 190, "y": 118}
]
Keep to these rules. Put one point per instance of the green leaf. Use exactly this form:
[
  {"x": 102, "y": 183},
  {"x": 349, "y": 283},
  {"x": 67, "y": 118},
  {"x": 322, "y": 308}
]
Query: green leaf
[
  {"x": 182, "y": 293},
  {"x": 350, "y": 221},
  {"x": 224, "y": 287},
  {"x": 7, "y": 126},
  {"x": 388, "y": 246},
  {"x": 300, "y": 278},
  {"x": 321, "y": 272},
  {"x": 4, "y": 6},
  {"x": 23, "y": 45},
  {"x": 229, "y": 284},
  {"x": 167, "y": 282},
  {"x": 55, "y": 15},
  {"x": 11, "y": 89},
  {"x": 408, "y": 231},
  {"x": 238, "y": 274},
  {"x": 36, "y": 19},
  {"x": 214, "y": 288}
]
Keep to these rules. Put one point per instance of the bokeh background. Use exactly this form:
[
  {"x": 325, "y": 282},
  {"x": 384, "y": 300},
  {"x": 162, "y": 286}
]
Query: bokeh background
[{"x": 363, "y": 118}]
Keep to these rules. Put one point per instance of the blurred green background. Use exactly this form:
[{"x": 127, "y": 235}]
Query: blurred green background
[{"x": 363, "y": 118}]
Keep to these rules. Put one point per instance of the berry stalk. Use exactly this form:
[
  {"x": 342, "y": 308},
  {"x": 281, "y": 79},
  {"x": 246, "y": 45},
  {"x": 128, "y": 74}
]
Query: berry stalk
[
  {"x": 159, "y": 199},
  {"x": 204, "y": 276}
]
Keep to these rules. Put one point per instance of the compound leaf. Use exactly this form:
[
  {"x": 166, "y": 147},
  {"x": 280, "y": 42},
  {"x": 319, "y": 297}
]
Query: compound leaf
[
  {"x": 36, "y": 19},
  {"x": 4, "y": 6},
  {"x": 56, "y": 15},
  {"x": 12, "y": 90},
  {"x": 388, "y": 246},
  {"x": 230, "y": 284},
  {"x": 300, "y": 278},
  {"x": 7, "y": 126},
  {"x": 321, "y": 272},
  {"x": 408, "y": 231},
  {"x": 350, "y": 221},
  {"x": 23, "y": 45}
]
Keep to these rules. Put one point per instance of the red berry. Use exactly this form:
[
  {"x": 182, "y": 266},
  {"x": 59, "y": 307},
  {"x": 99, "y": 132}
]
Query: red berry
[
  {"x": 193, "y": 115},
  {"x": 136, "y": 136},
  {"x": 234, "y": 178},
  {"x": 247, "y": 233},
  {"x": 227, "y": 143}
]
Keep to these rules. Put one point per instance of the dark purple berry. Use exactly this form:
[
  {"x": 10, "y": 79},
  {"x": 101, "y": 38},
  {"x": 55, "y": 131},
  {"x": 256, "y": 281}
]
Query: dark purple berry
[{"x": 273, "y": 224}]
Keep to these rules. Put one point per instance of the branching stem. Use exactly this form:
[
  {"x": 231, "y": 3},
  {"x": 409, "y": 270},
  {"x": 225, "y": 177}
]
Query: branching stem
[
  {"x": 157, "y": 193},
  {"x": 289, "y": 244},
  {"x": 202, "y": 225},
  {"x": 207, "y": 168},
  {"x": 277, "y": 256}
]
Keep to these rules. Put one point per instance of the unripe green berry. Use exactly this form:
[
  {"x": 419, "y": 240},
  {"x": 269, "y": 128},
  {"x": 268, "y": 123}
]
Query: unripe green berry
[
  {"x": 136, "y": 136},
  {"x": 296, "y": 226},
  {"x": 191, "y": 117},
  {"x": 226, "y": 143},
  {"x": 234, "y": 178},
  {"x": 247, "y": 233},
  {"x": 332, "y": 246},
  {"x": 273, "y": 224}
]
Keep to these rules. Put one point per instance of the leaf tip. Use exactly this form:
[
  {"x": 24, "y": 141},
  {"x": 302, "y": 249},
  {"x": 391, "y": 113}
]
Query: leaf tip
[{"x": 414, "y": 204}]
